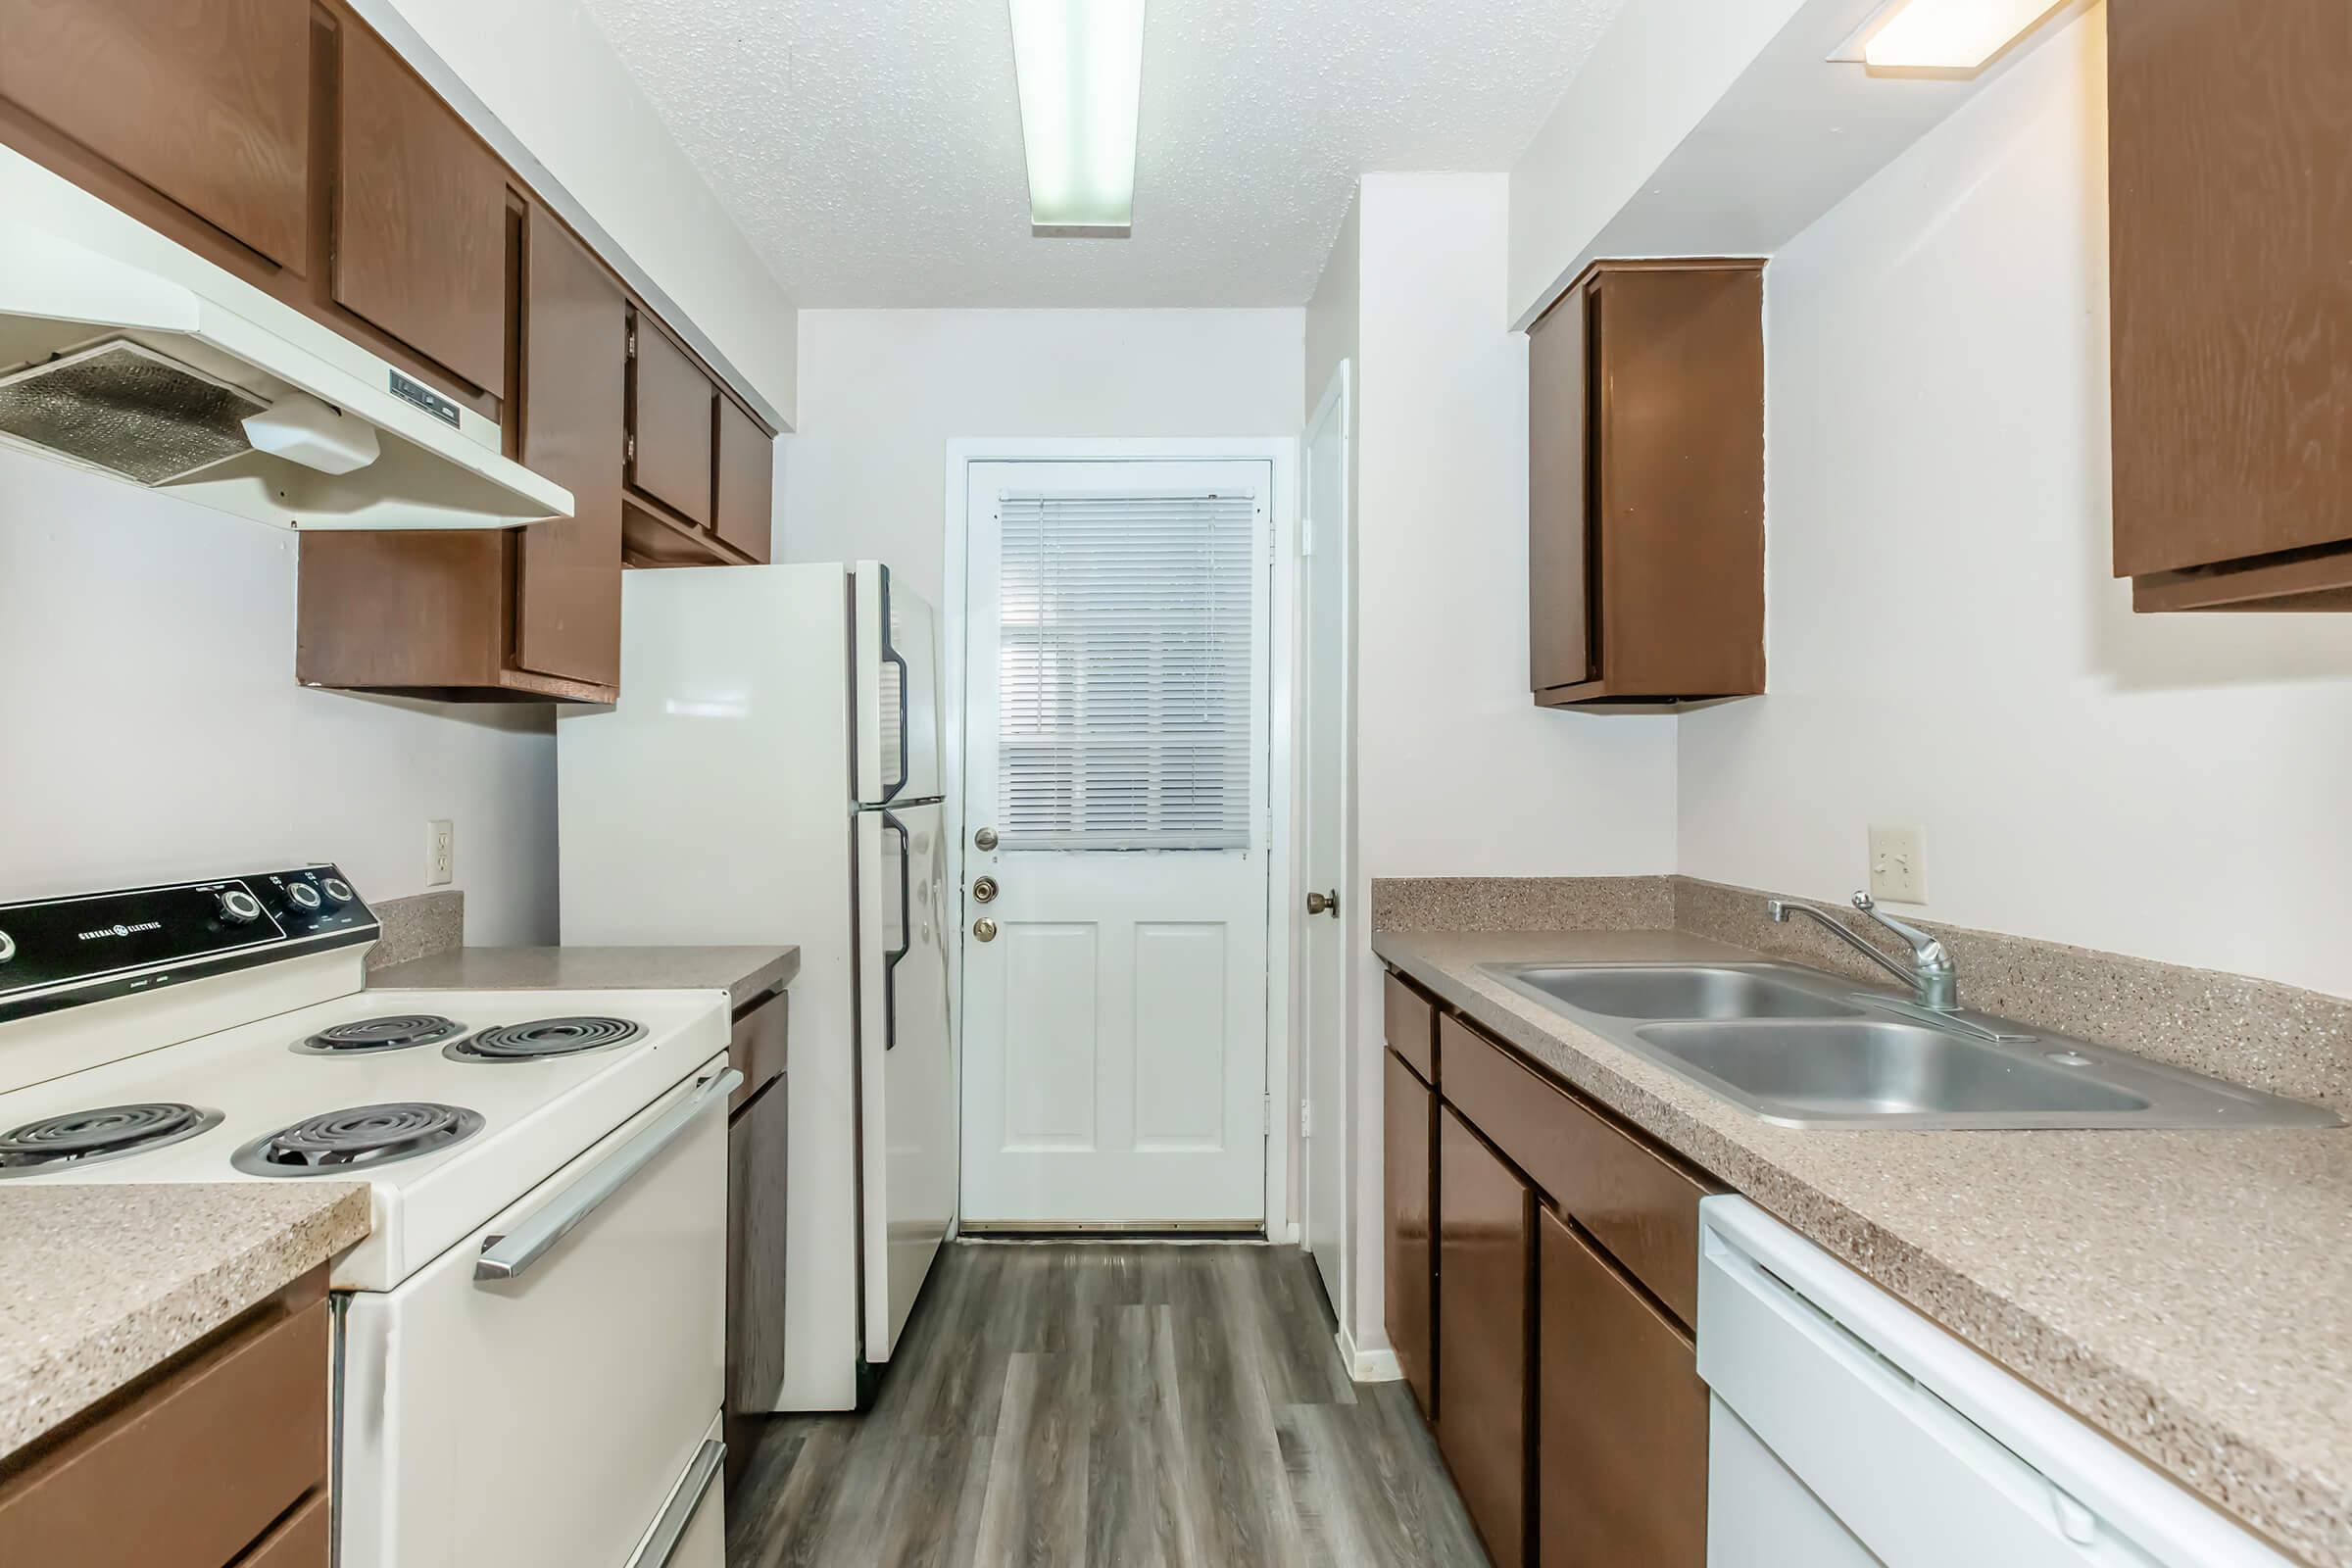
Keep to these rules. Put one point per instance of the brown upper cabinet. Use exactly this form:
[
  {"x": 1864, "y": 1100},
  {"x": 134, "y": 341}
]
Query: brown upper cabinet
[
  {"x": 1645, "y": 486},
  {"x": 672, "y": 423},
  {"x": 420, "y": 216},
  {"x": 701, "y": 471},
  {"x": 518, "y": 615},
  {"x": 2229, "y": 197},
  {"x": 745, "y": 508},
  {"x": 208, "y": 106}
]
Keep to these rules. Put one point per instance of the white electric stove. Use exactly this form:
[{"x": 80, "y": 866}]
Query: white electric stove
[{"x": 544, "y": 1281}]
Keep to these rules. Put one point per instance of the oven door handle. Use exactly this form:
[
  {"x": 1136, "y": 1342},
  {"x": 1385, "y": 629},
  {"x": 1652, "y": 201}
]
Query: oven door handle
[
  {"x": 511, "y": 1257},
  {"x": 662, "y": 1544}
]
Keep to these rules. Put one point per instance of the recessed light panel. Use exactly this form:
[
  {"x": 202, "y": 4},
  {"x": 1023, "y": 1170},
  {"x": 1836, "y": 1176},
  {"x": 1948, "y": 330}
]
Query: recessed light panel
[{"x": 1951, "y": 34}]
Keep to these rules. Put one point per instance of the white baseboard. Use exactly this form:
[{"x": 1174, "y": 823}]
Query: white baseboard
[{"x": 1368, "y": 1366}]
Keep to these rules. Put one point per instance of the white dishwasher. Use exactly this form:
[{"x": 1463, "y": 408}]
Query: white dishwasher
[{"x": 1846, "y": 1431}]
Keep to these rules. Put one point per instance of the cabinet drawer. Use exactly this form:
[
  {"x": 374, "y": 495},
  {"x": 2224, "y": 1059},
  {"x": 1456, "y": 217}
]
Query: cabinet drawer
[
  {"x": 1484, "y": 1275},
  {"x": 1410, "y": 1278},
  {"x": 759, "y": 1044},
  {"x": 190, "y": 1472},
  {"x": 1640, "y": 1206},
  {"x": 1621, "y": 1423},
  {"x": 1410, "y": 1021},
  {"x": 301, "y": 1540}
]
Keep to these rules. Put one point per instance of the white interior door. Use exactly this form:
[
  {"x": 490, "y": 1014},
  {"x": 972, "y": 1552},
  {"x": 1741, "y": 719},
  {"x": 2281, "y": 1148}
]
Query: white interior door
[
  {"x": 1116, "y": 791},
  {"x": 1326, "y": 820}
]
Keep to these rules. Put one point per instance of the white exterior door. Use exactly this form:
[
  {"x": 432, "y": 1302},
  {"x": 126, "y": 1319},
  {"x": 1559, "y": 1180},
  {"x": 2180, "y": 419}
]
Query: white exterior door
[
  {"x": 1326, "y": 825},
  {"x": 1115, "y": 795}
]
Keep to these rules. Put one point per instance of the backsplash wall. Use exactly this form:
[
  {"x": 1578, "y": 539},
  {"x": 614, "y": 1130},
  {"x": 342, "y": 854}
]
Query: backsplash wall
[
  {"x": 1948, "y": 648},
  {"x": 151, "y": 727}
]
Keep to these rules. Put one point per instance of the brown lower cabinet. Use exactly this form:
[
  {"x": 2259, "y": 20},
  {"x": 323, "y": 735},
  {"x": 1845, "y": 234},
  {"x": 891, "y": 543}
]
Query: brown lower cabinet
[
  {"x": 217, "y": 1460},
  {"x": 758, "y": 1133},
  {"x": 1562, "y": 1376},
  {"x": 1621, "y": 1417},
  {"x": 1410, "y": 1279},
  {"x": 1485, "y": 1215}
]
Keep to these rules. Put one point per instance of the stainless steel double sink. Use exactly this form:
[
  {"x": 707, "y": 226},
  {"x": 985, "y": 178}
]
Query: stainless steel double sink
[{"x": 1804, "y": 1048}]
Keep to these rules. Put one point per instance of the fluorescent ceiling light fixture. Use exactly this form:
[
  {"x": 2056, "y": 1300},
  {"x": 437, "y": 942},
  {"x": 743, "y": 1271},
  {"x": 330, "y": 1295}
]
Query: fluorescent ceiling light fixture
[
  {"x": 1080, "y": 64},
  {"x": 1949, "y": 34}
]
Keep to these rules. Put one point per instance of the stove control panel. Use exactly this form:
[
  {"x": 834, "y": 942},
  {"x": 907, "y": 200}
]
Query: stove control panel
[{"x": 59, "y": 953}]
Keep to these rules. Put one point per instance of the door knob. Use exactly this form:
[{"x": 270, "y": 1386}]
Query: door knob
[
  {"x": 985, "y": 839},
  {"x": 985, "y": 889},
  {"x": 1324, "y": 903},
  {"x": 985, "y": 929}
]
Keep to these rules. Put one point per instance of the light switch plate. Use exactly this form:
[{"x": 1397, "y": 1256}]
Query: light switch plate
[
  {"x": 440, "y": 852},
  {"x": 1898, "y": 864}
]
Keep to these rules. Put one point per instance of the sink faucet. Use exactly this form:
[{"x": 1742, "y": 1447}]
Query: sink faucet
[{"x": 1935, "y": 983}]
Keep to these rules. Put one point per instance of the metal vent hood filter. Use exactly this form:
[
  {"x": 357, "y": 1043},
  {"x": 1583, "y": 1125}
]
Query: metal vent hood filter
[{"x": 128, "y": 355}]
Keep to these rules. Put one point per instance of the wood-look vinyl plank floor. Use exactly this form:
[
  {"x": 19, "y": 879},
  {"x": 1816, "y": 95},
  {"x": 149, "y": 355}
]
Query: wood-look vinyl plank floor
[{"x": 1108, "y": 1405}]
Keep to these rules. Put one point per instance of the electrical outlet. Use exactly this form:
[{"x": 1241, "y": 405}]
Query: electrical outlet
[
  {"x": 1898, "y": 864},
  {"x": 440, "y": 853}
]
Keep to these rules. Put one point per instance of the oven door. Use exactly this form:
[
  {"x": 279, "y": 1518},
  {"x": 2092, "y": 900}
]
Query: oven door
[{"x": 543, "y": 1420}]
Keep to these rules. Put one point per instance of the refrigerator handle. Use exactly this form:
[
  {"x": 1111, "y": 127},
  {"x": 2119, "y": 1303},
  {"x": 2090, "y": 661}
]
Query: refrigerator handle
[
  {"x": 891, "y": 956},
  {"x": 891, "y": 655}
]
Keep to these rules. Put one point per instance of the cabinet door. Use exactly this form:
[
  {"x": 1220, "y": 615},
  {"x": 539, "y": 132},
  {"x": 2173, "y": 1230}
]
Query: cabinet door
[
  {"x": 1621, "y": 1429},
  {"x": 1484, "y": 1289},
  {"x": 670, "y": 413},
  {"x": 209, "y": 105},
  {"x": 574, "y": 361},
  {"x": 2230, "y": 180},
  {"x": 757, "y": 1145},
  {"x": 744, "y": 509},
  {"x": 420, "y": 218},
  {"x": 1559, "y": 584},
  {"x": 1409, "y": 1278}
]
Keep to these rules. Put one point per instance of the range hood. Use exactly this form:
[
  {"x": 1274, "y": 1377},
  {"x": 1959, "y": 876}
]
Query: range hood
[{"x": 128, "y": 355}]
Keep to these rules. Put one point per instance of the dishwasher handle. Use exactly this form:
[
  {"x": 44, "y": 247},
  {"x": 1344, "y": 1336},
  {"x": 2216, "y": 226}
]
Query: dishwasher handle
[{"x": 510, "y": 1256}]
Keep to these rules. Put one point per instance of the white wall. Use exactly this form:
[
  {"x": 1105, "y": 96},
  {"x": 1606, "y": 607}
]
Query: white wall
[
  {"x": 1462, "y": 774},
  {"x": 883, "y": 392},
  {"x": 1459, "y": 772},
  {"x": 1334, "y": 310},
  {"x": 1645, "y": 87},
  {"x": 544, "y": 68},
  {"x": 1946, "y": 646},
  {"x": 150, "y": 726}
]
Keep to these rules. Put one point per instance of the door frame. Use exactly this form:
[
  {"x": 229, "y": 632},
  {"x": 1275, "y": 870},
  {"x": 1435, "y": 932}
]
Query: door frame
[
  {"x": 1336, "y": 1123},
  {"x": 1284, "y": 874}
]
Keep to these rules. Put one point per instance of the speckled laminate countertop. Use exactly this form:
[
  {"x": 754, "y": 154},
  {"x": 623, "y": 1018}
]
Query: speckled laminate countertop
[
  {"x": 2189, "y": 1293},
  {"x": 743, "y": 972},
  {"x": 104, "y": 1281}
]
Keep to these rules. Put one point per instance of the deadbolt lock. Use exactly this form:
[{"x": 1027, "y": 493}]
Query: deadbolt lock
[
  {"x": 985, "y": 889},
  {"x": 985, "y": 839},
  {"x": 985, "y": 929}
]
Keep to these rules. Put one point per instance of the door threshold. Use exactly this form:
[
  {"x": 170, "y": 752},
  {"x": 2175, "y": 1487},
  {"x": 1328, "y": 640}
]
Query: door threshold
[{"x": 1208, "y": 1230}]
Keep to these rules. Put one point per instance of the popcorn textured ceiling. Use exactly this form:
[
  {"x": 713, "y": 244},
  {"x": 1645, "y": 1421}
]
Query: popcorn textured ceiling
[{"x": 871, "y": 149}]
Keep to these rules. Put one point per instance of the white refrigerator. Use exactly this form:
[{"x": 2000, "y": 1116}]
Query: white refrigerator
[{"x": 771, "y": 775}]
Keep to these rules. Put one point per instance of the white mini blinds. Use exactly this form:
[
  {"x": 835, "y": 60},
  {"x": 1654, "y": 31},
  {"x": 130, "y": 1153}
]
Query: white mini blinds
[{"x": 1124, "y": 700}]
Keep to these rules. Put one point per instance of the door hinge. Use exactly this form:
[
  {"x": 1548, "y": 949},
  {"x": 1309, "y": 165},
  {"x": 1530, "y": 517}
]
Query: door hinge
[
  {"x": 632, "y": 342},
  {"x": 1269, "y": 1102},
  {"x": 1306, "y": 1119},
  {"x": 628, "y": 449}
]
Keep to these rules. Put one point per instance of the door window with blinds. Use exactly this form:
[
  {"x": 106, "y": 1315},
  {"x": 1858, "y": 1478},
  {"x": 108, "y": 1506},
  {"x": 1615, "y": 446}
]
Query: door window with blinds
[{"x": 1124, "y": 700}]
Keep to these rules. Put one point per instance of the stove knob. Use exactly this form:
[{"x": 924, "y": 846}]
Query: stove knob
[
  {"x": 304, "y": 897},
  {"x": 239, "y": 907},
  {"x": 337, "y": 890},
  {"x": 8, "y": 946}
]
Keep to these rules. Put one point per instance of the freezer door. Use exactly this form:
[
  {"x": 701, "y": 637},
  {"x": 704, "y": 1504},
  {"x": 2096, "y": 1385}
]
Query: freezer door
[
  {"x": 906, "y": 1061},
  {"x": 896, "y": 680}
]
